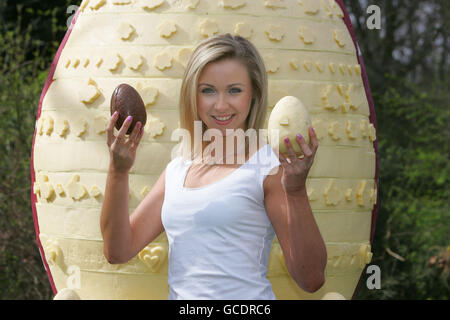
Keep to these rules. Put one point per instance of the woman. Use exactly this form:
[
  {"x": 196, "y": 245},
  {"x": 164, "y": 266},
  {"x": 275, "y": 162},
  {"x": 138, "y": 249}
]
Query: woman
[{"x": 219, "y": 218}]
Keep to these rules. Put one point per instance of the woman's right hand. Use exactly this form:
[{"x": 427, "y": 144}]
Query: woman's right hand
[{"x": 122, "y": 150}]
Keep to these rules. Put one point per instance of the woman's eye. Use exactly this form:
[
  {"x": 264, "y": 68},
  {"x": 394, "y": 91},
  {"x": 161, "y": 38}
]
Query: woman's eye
[
  {"x": 207, "y": 90},
  {"x": 235, "y": 90}
]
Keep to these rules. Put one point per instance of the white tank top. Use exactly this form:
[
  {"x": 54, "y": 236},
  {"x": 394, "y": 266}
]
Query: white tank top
[{"x": 219, "y": 235}]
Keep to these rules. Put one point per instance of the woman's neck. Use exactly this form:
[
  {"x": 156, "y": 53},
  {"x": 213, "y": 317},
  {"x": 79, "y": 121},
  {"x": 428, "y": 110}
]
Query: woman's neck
[{"x": 213, "y": 153}]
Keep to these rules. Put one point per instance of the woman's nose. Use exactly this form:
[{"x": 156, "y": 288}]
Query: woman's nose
[{"x": 221, "y": 103}]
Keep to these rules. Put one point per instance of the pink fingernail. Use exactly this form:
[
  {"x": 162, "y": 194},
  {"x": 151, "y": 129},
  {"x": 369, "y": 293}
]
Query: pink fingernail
[
  {"x": 299, "y": 136},
  {"x": 129, "y": 118},
  {"x": 286, "y": 140},
  {"x": 115, "y": 114}
]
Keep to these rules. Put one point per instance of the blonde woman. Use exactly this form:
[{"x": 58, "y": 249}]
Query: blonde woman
[{"x": 220, "y": 215}]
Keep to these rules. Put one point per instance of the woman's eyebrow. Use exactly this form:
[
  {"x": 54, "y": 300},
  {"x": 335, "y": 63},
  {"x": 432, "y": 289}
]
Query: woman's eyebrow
[{"x": 210, "y": 85}]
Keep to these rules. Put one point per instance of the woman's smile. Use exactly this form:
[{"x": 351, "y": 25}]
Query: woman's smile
[{"x": 223, "y": 120}]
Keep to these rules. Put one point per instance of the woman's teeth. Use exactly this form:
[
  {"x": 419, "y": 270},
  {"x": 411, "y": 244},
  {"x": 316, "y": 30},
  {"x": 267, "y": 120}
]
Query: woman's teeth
[{"x": 223, "y": 119}]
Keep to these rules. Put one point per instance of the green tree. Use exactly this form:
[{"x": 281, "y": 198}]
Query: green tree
[{"x": 23, "y": 73}]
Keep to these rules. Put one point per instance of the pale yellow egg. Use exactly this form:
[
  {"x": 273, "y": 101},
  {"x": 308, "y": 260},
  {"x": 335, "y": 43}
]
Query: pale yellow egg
[{"x": 288, "y": 118}]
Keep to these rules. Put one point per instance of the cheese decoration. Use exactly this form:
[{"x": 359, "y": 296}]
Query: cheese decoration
[{"x": 309, "y": 55}]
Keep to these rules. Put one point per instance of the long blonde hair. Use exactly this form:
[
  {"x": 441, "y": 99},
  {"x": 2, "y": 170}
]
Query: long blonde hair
[{"x": 214, "y": 49}]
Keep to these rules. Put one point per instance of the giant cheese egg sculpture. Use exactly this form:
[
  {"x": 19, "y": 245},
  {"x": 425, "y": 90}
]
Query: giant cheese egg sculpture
[{"x": 309, "y": 52}]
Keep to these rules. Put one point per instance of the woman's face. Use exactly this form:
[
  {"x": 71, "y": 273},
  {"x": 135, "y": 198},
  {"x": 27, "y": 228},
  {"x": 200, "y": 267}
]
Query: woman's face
[{"x": 224, "y": 90}]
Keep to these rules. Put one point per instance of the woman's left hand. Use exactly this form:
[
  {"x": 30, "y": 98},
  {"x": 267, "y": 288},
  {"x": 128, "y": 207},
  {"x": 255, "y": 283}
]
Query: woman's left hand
[{"x": 295, "y": 170}]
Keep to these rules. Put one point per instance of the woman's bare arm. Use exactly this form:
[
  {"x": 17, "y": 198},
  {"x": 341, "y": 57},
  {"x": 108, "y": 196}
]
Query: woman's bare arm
[
  {"x": 114, "y": 220},
  {"x": 124, "y": 235}
]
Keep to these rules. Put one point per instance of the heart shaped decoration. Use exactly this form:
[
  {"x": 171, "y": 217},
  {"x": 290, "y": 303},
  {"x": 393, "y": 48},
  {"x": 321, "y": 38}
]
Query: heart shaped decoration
[{"x": 153, "y": 257}]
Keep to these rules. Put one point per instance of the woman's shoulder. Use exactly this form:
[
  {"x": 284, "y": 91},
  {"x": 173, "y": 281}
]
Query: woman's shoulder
[
  {"x": 175, "y": 164},
  {"x": 270, "y": 166},
  {"x": 267, "y": 157},
  {"x": 179, "y": 161}
]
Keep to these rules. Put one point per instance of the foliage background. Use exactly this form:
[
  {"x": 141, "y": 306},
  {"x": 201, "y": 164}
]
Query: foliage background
[{"x": 407, "y": 62}]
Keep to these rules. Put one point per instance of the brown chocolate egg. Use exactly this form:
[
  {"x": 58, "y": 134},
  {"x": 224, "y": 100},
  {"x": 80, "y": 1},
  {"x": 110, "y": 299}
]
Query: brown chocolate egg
[{"x": 127, "y": 101}]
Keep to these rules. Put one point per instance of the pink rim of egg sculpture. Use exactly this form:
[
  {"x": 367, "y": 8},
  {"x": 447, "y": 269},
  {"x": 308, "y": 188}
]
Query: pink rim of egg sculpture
[
  {"x": 33, "y": 175},
  {"x": 372, "y": 118}
]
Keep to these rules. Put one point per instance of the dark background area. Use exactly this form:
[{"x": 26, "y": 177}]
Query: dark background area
[{"x": 407, "y": 62}]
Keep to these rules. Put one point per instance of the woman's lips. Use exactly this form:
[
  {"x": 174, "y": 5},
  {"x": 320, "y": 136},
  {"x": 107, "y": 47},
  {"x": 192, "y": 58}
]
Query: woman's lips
[{"x": 223, "y": 123}]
